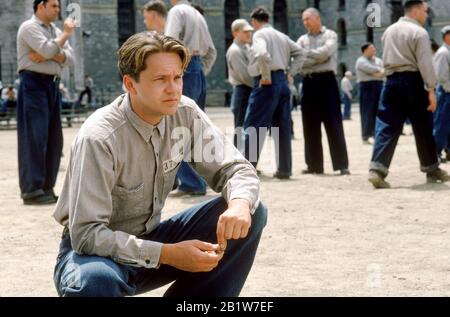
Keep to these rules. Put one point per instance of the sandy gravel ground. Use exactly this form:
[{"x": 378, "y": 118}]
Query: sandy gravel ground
[{"x": 326, "y": 235}]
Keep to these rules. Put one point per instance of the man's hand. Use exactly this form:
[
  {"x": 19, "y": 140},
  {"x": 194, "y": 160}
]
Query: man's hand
[
  {"x": 234, "y": 223},
  {"x": 35, "y": 57},
  {"x": 432, "y": 101},
  {"x": 191, "y": 255},
  {"x": 69, "y": 26},
  {"x": 265, "y": 82},
  {"x": 60, "y": 58}
]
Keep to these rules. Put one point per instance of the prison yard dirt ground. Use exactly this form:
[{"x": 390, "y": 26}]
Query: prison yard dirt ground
[{"x": 326, "y": 235}]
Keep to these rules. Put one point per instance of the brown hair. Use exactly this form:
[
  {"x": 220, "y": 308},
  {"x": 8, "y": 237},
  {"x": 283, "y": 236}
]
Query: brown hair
[
  {"x": 134, "y": 52},
  {"x": 157, "y": 6}
]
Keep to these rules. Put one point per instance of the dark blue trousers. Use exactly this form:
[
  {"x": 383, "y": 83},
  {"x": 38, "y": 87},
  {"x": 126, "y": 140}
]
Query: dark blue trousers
[
  {"x": 86, "y": 275},
  {"x": 442, "y": 121},
  {"x": 347, "y": 114},
  {"x": 321, "y": 104},
  {"x": 39, "y": 132},
  {"x": 194, "y": 87},
  {"x": 239, "y": 103},
  {"x": 403, "y": 96},
  {"x": 269, "y": 107},
  {"x": 369, "y": 98}
]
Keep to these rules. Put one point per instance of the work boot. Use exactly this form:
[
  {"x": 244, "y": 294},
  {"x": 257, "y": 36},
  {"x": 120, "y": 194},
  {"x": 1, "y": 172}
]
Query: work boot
[
  {"x": 377, "y": 180},
  {"x": 438, "y": 175}
]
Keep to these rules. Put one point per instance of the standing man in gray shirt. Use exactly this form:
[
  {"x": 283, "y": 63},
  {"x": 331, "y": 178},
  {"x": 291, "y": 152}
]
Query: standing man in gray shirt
[
  {"x": 187, "y": 25},
  {"x": 408, "y": 93},
  {"x": 321, "y": 100},
  {"x": 442, "y": 114},
  {"x": 238, "y": 76},
  {"x": 122, "y": 167},
  {"x": 42, "y": 53},
  {"x": 370, "y": 76},
  {"x": 269, "y": 102}
]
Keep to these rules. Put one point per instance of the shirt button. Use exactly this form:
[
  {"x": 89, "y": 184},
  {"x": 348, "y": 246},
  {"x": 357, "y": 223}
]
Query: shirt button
[{"x": 147, "y": 261}]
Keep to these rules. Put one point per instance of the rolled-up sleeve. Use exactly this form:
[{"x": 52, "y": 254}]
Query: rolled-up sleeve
[
  {"x": 221, "y": 164},
  {"x": 38, "y": 42},
  {"x": 328, "y": 49},
  {"x": 366, "y": 67},
  {"x": 92, "y": 178}
]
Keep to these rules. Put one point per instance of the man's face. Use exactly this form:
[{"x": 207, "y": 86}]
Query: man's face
[
  {"x": 154, "y": 21},
  {"x": 447, "y": 38},
  {"x": 51, "y": 10},
  {"x": 311, "y": 21},
  {"x": 243, "y": 36},
  {"x": 160, "y": 85},
  {"x": 371, "y": 51},
  {"x": 422, "y": 13}
]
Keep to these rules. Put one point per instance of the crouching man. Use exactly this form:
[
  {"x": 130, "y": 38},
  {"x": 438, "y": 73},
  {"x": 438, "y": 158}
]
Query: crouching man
[{"x": 122, "y": 167}]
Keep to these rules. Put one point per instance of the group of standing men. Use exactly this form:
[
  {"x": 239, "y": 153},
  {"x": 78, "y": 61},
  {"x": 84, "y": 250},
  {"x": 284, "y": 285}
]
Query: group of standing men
[{"x": 409, "y": 91}]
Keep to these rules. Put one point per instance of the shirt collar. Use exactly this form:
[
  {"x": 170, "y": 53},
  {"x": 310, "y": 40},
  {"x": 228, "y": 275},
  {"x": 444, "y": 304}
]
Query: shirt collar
[
  {"x": 36, "y": 19},
  {"x": 406, "y": 19},
  {"x": 322, "y": 30},
  {"x": 146, "y": 130},
  {"x": 447, "y": 46}
]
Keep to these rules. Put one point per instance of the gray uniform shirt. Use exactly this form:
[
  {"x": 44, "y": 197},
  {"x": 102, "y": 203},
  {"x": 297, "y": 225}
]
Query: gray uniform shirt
[
  {"x": 122, "y": 169},
  {"x": 346, "y": 87},
  {"x": 272, "y": 50},
  {"x": 442, "y": 66},
  {"x": 34, "y": 35},
  {"x": 237, "y": 61},
  {"x": 365, "y": 68},
  {"x": 187, "y": 25},
  {"x": 406, "y": 47},
  {"x": 321, "y": 51}
]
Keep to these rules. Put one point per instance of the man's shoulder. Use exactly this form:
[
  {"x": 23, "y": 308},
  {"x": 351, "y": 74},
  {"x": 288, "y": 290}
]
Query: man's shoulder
[
  {"x": 329, "y": 32},
  {"x": 443, "y": 52},
  {"x": 104, "y": 122},
  {"x": 26, "y": 25}
]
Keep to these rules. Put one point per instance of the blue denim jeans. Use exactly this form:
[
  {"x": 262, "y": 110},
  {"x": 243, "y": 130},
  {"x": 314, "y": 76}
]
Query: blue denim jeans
[
  {"x": 95, "y": 276},
  {"x": 347, "y": 113},
  {"x": 194, "y": 87},
  {"x": 403, "y": 96},
  {"x": 442, "y": 121},
  {"x": 39, "y": 131},
  {"x": 321, "y": 103},
  {"x": 239, "y": 103},
  {"x": 269, "y": 107},
  {"x": 369, "y": 98}
]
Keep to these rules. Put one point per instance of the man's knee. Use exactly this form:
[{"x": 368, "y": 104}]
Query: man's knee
[{"x": 94, "y": 279}]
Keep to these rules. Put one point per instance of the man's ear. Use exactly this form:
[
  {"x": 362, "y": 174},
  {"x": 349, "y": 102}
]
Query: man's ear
[{"x": 129, "y": 83}]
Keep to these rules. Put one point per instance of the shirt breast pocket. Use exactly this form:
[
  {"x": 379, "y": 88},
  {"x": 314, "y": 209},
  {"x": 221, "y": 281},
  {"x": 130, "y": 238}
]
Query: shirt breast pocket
[{"x": 127, "y": 202}]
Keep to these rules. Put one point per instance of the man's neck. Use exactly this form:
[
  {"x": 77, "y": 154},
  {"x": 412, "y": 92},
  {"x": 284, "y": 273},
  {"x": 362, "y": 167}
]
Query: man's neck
[
  {"x": 151, "y": 119},
  {"x": 42, "y": 18},
  {"x": 412, "y": 18},
  {"x": 316, "y": 31}
]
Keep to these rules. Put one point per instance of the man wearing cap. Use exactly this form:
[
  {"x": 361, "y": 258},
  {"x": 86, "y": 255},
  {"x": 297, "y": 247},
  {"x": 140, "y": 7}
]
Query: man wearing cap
[
  {"x": 320, "y": 96},
  {"x": 408, "y": 93},
  {"x": 155, "y": 14},
  {"x": 42, "y": 53},
  {"x": 370, "y": 76},
  {"x": 269, "y": 102},
  {"x": 346, "y": 89},
  {"x": 187, "y": 25},
  {"x": 442, "y": 114},
  {"x": 238, "y": 76}
]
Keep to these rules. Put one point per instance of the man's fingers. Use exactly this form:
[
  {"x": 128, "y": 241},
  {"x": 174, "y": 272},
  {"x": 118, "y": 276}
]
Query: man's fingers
[
  {"x": 205, "y": 246},
  {"x": 244, "y": 232},
  {"x": 229, "y": 228},
  {"x": 221, "y": 234},
  {"x": 237, "y": 231}
]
